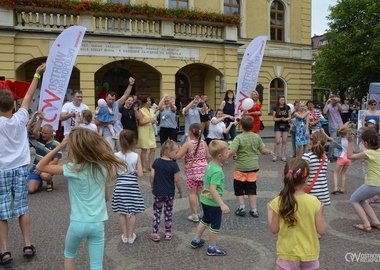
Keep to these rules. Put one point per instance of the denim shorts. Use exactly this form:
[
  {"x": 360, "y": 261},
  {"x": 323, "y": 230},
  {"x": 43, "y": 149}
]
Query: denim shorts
[{"x": 278, "y": 129}]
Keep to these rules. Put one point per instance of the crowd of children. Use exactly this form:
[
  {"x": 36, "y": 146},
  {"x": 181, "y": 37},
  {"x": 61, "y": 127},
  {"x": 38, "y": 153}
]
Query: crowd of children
[{"x": 296, "y": 214}]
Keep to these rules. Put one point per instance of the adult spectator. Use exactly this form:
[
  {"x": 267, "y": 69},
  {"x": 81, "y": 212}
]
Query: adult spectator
[
  {"x": 315, "y": 117},
  {"x": 168, "y": 119},
  {"x": 178, "y": 103},
  {"x": 218, "y": 126},
  {"x": 293, "y": 129},
  {"x": 147, "y": 139},
  {"x": 115, "y": 105},
  {"x": 192, "y": 114},
  {"x": 332, "y": 109},
  {"x": 281, "y": 117},
  {"x": 255, "y": 111},
  {"x": 69, "y": 109},
  {"x": 205, "y": 116},
  {"x": 345, "y": 113},
  {"x": 371, "y": 113},
  {"x": 156, "y": 111},
  {"x": 44, "y": 144},
  {"x": 228, "y": 108},
  {"x": 129, "y": 115},
  {"x": 355, "y": 107}
]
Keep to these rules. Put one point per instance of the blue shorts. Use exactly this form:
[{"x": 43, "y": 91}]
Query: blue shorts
[
  {"x": 277, "y": 128},
  {"x": 13, "y": 192},
  {"x": 212, "y": 217},
  {"x": 33, "y": 176}
]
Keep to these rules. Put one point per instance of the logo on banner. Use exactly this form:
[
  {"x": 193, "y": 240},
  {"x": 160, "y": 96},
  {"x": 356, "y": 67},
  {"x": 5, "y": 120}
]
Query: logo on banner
[{"x": 59, "y": 65}]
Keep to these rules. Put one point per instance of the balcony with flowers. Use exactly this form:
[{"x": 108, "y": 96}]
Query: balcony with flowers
[{"x": 118, "y": 19}]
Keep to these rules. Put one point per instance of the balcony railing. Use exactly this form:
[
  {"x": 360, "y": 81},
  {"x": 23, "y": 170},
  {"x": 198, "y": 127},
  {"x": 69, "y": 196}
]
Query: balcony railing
[{"x": 42, "y": 19}]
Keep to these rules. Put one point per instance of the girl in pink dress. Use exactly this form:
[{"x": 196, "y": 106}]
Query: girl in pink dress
[
  {"x": 196, "y": 153},
  {"x": 255, "y": 111}
]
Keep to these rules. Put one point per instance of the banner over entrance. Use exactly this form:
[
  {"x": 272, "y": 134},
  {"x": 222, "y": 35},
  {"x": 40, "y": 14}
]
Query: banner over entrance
[
  {"x": 59, "y": 65},
  {"x": 249, "y": 71}
]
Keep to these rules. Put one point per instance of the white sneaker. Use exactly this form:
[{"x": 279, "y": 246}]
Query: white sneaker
[
  {"x": 193, "y": 218},
  {"x": 274, "y": 159},
  {"x": 125, "y": 240},
  {"x": 132, "y": 240},
  {"x": 284, "y": 159}
]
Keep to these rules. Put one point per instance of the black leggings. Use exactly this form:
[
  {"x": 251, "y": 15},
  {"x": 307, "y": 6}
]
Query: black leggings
[{"x": 168, "y": 133}]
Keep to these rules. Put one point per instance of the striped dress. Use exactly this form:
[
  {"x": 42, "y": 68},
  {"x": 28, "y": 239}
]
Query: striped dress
[
  {"x": 320, "y": 188},
  {"x": 126, "y": 197}
]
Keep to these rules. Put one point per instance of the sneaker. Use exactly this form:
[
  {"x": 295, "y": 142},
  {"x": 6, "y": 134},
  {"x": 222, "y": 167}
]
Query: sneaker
[
  {"x": 254, "y": 213},
  {"x": 132, "y": 240},
  {"x": 216, "y": 252},
  {"x": 155, "y": 237},
  {"x": 200, "y": 214},
  {"x": 168, "y": 236},
  {"x": 193, "y": 218},
  {"x": 240, "y": 212},
  {"x": 195, "y": 244},
  {"x": 274, "y": 159},
  {"x": 284, "y": 159},
  {"x": 125, "y": 240}
]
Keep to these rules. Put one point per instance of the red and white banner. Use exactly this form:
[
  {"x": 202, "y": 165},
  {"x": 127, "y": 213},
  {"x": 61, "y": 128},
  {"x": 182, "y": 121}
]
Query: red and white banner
[
  {"x": 59, "y": 65},
  {"x": 249, "y": 71}
]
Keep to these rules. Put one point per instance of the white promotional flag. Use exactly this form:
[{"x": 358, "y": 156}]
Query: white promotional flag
[
  {"x": 249, "y": 71},
  {"x": 59, "y": 65}
]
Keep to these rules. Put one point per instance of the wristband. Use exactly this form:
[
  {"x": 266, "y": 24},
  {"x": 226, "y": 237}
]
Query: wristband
[{"x": 36, "y": 75}]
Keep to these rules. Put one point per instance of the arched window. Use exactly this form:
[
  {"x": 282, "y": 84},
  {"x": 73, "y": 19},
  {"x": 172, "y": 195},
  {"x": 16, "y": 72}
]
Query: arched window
[
  {"x": 178, "y": 4},
  {"x": 276, "y": 89},
  {"x": 277, "y": 21},
  {"x": 232, "y": 7}
]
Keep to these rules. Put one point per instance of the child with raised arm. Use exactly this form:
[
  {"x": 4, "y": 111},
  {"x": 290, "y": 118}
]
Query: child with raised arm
[
  {"x": 85, "y": 120},
  {"x": 247, "y": 147},
  {"x": 196, "y": 153},
  {"x": 91, "y": 165},
  {"x": 298, "y": 220},
  {"x": 211, "y": 200},
  {"x": 164, "y": 176},
  {"x": 127, "y": 200},
  {"x": 318, "y": 161},
  {"x": 14, "y": 160}
]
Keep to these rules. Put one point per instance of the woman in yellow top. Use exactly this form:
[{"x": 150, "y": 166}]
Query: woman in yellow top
[
  {"x": 146, "y": 138},
  {"x": 297, "y": 217},
  {"x": 371, "y": 187}
]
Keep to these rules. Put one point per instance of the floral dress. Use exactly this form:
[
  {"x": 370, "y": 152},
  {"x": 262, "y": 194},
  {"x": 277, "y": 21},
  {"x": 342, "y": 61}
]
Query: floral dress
[{"x": 301, "y": 138}]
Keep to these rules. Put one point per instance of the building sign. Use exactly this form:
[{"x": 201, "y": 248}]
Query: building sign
[{"x": 139, "y": 51}]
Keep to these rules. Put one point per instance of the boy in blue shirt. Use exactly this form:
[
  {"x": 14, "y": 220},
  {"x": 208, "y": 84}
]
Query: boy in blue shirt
[{"x": 211, "y": 199}]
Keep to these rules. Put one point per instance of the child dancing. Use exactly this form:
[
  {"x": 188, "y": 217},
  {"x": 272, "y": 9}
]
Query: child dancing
[
  {"x": 164, "y": 176},
  {"x": 127, "y": 200}
]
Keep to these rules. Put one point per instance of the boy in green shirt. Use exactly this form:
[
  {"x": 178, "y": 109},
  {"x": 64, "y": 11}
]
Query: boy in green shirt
[
  {"x": 211, "y": 199},
  {"x": 247, "y": 147}
]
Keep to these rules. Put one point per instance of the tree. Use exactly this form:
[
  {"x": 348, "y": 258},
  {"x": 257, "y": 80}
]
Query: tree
[{"x": 351, "y": 58}]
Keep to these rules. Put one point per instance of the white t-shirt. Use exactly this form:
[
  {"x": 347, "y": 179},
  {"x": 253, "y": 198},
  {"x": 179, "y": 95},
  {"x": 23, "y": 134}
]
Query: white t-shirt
[
  {"x": 14, "y": 141},
  {"x": 69, "y": 107},
  {"x": 216, "y": 131},
  {"x": 90, "y": 126}
]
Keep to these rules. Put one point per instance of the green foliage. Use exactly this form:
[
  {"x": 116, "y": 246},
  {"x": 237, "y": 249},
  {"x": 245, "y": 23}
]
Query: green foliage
[{"x": 351, "y": 59}]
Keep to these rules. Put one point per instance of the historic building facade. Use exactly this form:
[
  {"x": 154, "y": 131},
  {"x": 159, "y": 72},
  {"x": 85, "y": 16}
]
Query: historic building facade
[{"x": 174, "y": 56}]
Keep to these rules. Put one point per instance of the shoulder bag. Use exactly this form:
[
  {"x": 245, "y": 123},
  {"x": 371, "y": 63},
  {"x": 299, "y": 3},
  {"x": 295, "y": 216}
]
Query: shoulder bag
[{"x": 309, "y": 188}]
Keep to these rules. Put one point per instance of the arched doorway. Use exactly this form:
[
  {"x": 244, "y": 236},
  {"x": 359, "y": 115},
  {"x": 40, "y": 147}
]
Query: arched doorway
[
  {"x": 182, "y": 88},
  {"x": 115, "y": 80}
]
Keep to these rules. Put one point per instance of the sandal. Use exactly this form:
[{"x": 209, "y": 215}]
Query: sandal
[
  {"x": 375, "y": 226},
  {"x": 341, "y": 191},
  {"x": 168, "y": 236},
  {"x": 7, "y": 260},
  {"x": 29, "y": 251},
  {"x": 335, "y": 191},
  {"x": 49, "y": 186},
  {"x": 155, "y": 237},
  {"x": 362, "y": 227}
]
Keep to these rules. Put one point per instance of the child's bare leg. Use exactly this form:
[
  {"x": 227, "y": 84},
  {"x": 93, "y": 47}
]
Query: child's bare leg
[
  {"x": 123, "y": 224},
  {"x": 343, "y": 173},
  {"x": 252, "y": 201},
  {"x": 152, "y": 154},
  {"x": 100, "y": 130},
  {"x": 132, "y": 225},
  {"x": 212, "y": 237},
  {"x": 298, "y": 151},
  {"x": 110, "y": 127},
  {"x": 193, "y": 200},
  {"x": 143, "y": 158},
  {"x": 199, "y": 191},
  {"x": 336, "y": 174},
  {"x": 200, "y": 230}
]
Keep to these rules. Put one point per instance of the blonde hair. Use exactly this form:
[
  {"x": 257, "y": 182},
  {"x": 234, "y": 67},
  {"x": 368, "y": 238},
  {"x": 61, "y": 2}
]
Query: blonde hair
[
  {"x": 88, "y": 150},
  {"x": 169, "y": 145},
  {"x": 345, "y": 129},
  {"x": 216, "y": 147}
]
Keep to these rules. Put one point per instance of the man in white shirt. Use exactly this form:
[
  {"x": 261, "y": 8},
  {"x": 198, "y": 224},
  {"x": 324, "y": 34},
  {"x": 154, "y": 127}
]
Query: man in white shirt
[{"x": 69, "y": 109}]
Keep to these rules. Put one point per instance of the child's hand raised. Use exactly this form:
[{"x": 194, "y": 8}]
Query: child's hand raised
[{"x": 225, "y": 209}]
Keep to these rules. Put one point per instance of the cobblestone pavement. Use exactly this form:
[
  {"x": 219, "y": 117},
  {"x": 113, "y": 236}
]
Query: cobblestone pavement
[{"x": 248, "y": 241}]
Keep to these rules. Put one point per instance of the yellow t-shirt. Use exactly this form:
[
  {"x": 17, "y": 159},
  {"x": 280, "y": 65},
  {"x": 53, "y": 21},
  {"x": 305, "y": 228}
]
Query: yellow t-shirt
[
  {"x": 299, "y": 243},
  {"x": 373, "y": 167}
]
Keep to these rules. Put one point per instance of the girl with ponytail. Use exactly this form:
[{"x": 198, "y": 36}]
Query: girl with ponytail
[{"x": 297, "y": 217}]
